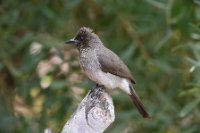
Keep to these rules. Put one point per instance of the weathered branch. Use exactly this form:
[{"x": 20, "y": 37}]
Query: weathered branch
[{"x": 94, "y": 114}]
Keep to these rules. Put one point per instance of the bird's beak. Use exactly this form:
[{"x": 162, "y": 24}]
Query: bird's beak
[{"x": 72, "y": 41}]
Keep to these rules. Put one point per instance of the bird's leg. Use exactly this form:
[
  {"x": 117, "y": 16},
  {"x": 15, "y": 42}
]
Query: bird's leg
[
  {"x": 99, "y": 85},
  {"x": 94, "y": 89}
]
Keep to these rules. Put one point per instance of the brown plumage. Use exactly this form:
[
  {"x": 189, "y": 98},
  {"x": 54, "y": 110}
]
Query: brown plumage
[
  {"x": 113, "y": 64},
  {"x": 104, "y": 67}
]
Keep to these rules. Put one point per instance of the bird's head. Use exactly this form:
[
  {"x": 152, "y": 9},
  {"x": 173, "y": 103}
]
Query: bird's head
[{"x": 85, "y": 38}]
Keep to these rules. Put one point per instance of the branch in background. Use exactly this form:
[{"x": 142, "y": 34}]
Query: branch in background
[{"x": 94, "y": 114}]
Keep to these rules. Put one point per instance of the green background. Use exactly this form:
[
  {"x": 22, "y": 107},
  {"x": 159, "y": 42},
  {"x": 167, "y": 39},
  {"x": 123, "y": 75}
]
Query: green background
[{"x": 41, "y": 83}]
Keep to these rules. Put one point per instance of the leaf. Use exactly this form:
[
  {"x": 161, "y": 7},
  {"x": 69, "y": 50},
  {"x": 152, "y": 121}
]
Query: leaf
[
  {"x": 194, "y": 27},
  {"x": 189, "y": 107},
  {"x": 127, "y": 53}
]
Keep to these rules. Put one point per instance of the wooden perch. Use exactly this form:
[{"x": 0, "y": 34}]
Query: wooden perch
[{"x": 94, "y": 114}]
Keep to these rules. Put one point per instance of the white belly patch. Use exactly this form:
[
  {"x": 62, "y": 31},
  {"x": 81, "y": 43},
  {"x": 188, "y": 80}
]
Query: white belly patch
[{"x": 109, "y": 80}]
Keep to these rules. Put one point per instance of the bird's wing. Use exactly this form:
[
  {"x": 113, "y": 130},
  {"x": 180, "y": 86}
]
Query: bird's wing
[{"x": 111, "y": 63}]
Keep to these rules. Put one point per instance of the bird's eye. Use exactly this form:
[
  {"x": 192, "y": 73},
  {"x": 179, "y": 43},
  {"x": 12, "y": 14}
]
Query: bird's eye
[{"x": 81, "y": 38}]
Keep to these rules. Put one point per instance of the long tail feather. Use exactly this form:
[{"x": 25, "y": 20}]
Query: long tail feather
[{"x": 136, "y": 100}]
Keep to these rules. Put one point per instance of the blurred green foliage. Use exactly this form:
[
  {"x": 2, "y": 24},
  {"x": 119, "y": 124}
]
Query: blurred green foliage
[{"x": 41, "y": 83}]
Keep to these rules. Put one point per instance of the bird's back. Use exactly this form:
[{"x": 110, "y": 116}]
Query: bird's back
[{"x": 111, "y": 63}]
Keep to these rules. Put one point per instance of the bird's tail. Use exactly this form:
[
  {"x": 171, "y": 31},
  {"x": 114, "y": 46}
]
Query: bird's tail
[{"x": 136, "y": 100}]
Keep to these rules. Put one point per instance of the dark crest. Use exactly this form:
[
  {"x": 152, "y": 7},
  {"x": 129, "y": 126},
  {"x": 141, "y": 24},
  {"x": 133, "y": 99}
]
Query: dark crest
[{"x": 83, "y": 35}]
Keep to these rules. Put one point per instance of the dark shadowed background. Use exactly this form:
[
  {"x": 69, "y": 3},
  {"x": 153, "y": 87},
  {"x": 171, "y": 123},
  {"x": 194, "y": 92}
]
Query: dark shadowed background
[{"x": 41, "y": 83}]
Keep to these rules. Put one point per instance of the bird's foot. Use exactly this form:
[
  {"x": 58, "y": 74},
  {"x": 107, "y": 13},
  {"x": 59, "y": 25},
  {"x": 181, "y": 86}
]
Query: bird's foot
[{"x": 99, "y": 86}]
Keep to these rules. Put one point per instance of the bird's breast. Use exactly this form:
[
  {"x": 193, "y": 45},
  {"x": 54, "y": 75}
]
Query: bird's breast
[
  {"x": 89, "y": 64},
  {"x": 92, "y": 69}
]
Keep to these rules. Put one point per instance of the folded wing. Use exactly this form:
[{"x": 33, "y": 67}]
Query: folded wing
[{"x": 113, "y": 64}]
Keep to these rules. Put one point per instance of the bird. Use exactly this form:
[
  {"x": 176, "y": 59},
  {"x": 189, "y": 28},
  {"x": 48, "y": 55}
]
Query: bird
[{"x": 103, "y": 66}]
